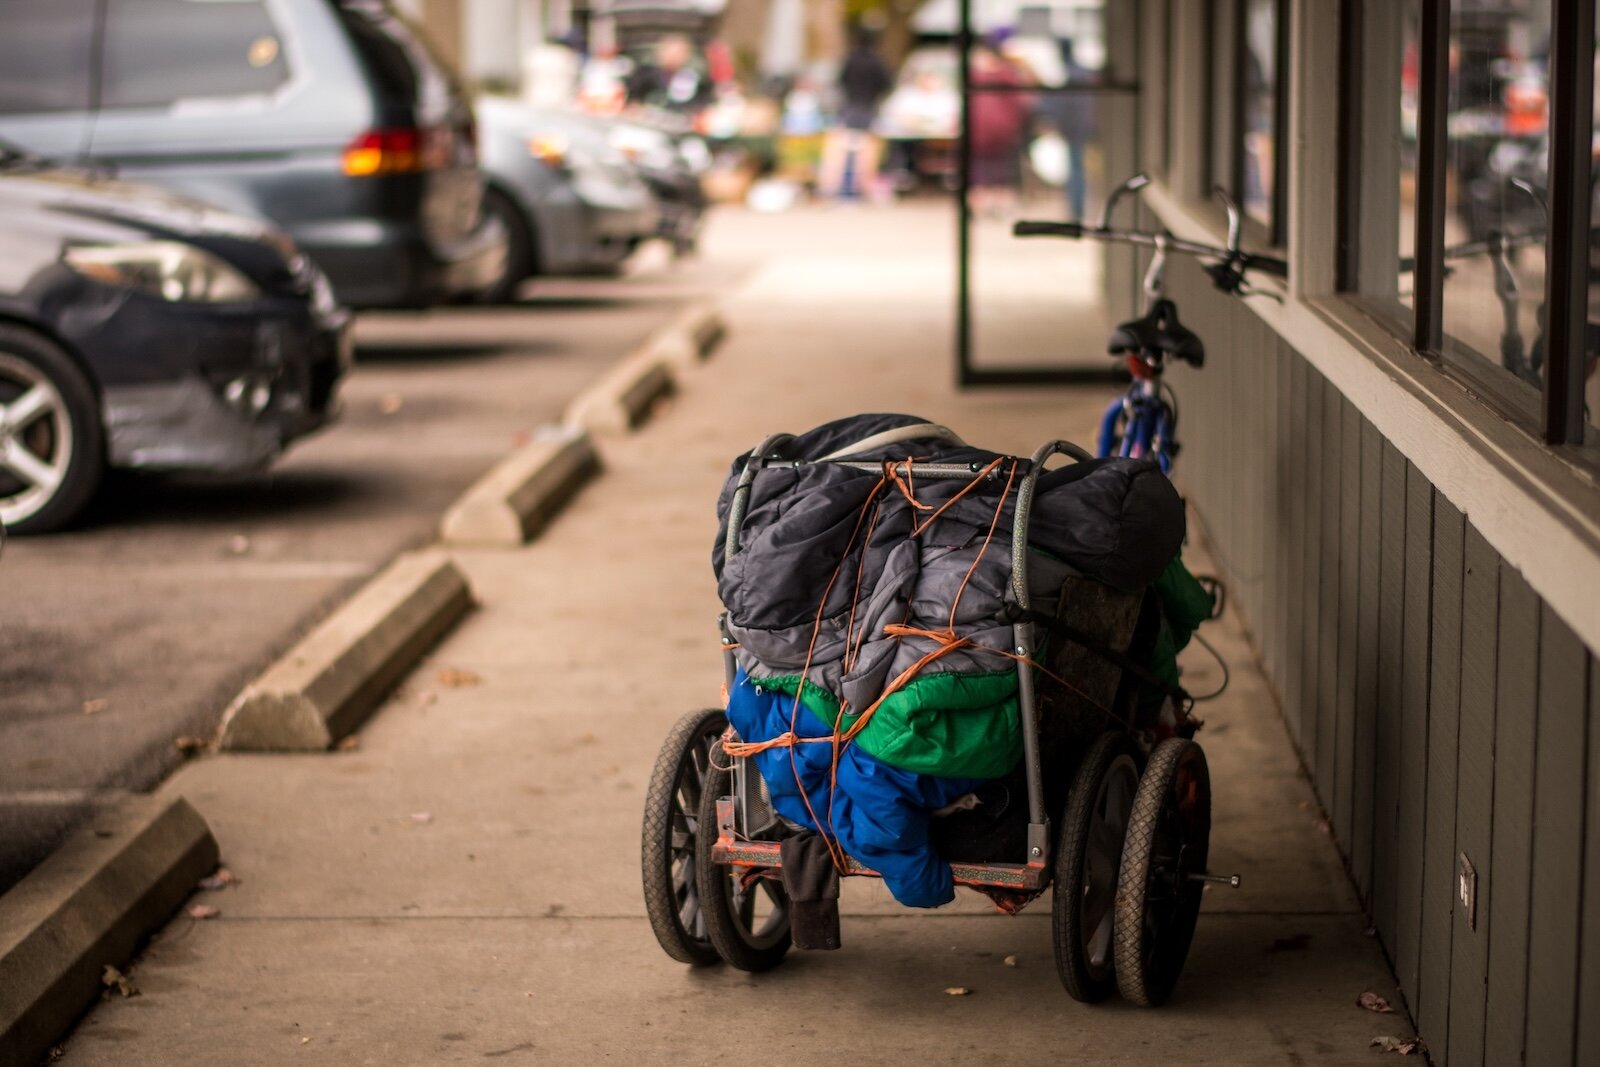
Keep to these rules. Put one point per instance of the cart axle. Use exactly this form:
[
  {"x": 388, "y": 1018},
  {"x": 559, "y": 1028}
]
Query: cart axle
[{"x": 1230, "y": 880}]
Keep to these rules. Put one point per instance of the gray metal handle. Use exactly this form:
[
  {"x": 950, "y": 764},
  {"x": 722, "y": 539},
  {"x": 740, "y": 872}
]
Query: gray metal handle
[
  {"x": 1019, "y": 532},
  {"x": 759, "y": 456}
]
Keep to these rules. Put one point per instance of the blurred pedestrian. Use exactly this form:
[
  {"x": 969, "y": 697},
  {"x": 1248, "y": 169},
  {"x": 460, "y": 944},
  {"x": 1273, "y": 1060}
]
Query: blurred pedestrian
[
  {"x": 850, "y": 151},
  {"x": 1073, "y": 115},
  {"x": 997, "y": 125},
  {"x": 671, "y": 81}
]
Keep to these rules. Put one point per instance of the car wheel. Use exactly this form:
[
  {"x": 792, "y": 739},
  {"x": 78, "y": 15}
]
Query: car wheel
[
  {"x": 520, "y": 262},
  {"x": 52, "y": 446}
]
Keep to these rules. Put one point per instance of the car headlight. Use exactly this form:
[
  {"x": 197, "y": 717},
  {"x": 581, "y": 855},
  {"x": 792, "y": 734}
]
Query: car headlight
[{"x": 171, "y": 270}]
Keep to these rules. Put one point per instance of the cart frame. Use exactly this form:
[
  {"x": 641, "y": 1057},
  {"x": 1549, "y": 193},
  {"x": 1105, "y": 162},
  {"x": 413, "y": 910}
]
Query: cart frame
[{"x": 1033, "y": 873}]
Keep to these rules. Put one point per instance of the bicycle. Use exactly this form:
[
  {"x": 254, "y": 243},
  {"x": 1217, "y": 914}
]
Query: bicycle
[{"x": 1144, "y": 420}]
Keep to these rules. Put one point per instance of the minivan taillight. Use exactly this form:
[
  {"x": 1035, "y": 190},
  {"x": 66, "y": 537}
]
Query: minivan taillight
[{"x": 396, "y": 151}]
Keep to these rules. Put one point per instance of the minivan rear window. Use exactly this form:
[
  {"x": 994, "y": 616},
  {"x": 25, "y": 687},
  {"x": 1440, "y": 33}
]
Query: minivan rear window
[
  {"x": 159, "y": 52},
  {"x": 46, "y": 51}
]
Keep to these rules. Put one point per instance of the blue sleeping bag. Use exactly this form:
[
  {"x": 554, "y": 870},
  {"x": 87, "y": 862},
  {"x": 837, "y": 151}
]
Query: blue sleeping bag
[{"x": 880, "y": 813}]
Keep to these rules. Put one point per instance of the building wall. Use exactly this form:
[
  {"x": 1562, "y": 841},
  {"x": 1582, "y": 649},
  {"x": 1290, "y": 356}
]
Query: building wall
[{"x": 1439, "y": 705}]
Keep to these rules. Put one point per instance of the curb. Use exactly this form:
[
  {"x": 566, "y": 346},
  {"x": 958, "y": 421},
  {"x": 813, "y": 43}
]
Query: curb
[
  {"x": 89, "y": 905},
  {"x": 329, "y": 683},
  {"x": 689, "y": 339},
  {"x": 622, "y": 400},
  {"x": 510, "y": 504}
]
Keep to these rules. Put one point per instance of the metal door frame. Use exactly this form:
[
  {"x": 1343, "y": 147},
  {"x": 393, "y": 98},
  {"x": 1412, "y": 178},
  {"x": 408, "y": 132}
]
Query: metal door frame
[{"x": 966, "y": 373}]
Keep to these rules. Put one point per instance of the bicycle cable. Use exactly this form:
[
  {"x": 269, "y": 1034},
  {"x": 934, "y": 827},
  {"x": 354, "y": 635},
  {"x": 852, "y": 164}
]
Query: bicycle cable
[{"x": 1226, "y": 676}]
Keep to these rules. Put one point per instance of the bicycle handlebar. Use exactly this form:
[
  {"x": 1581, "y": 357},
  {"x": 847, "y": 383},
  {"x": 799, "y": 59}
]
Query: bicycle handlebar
[{"x": 1078, "y": 231}]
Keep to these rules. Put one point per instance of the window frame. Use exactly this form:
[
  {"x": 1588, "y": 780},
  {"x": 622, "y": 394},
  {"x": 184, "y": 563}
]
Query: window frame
[{"x": 1557, "y": 418}]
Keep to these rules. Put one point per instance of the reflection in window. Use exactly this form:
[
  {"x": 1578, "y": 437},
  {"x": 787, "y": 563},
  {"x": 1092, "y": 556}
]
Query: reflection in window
[
  {"x": 1259, "y": 110},
  {"x": 44, "y": 56},
  {"x": 159, "y": 52},
  {"x": 1495, "y": 187},
  {"x": 1407, "y": 20}
]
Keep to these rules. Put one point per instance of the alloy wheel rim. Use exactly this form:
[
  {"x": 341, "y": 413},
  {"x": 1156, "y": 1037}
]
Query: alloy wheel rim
[{"x": 36, "y": 440}]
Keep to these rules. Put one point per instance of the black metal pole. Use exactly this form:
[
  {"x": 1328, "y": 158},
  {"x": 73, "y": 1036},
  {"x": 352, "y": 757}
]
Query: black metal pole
[
  {"x": 1567, "y": 271},
  {"x": 963, "y": 209},
  {"x": 1432, "y": 137}
]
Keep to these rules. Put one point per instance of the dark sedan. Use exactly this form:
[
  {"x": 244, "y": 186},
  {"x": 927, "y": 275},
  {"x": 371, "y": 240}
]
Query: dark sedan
[{"x": 142, "y": 330}]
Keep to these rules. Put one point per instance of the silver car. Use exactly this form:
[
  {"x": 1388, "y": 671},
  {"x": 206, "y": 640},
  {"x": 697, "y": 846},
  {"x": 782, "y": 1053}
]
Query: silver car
[{"x": 570, "y": 200}]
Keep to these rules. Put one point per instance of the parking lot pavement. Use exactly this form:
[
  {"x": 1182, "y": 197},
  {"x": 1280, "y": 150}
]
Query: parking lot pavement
[
  {"x": 140, "y": 625},
  {"x": 466, "y": 885}
]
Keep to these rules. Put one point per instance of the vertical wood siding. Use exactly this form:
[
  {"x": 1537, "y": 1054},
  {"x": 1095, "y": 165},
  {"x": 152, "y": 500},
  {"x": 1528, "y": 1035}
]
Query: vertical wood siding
[{"x": 1441, "y": 709}]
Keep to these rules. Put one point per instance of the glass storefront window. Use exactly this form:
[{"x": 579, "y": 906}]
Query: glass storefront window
[
  {"x": 1257, "y": 180},
  {"x": 1407, "y": 61},
  {"x": 1497, "y": 160},
  {"x": 1486, "y": 135}
]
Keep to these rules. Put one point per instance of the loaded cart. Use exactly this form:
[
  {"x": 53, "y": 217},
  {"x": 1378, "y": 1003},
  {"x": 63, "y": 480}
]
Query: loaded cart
[{"x": 944, "y": 667}]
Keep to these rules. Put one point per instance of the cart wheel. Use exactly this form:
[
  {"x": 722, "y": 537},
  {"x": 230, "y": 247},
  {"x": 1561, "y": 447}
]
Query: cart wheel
[
  {"x": 749, "y": 927},
  {"x": 671, "y": 828},
  {"x": 1169, "y": 832},
  {"x": 1088, "y": 857}
]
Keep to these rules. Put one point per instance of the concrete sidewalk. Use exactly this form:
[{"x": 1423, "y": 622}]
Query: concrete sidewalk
[{"x": 465, "y": 884}]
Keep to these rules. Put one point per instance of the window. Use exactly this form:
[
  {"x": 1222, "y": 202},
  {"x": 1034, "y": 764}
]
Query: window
[
  {"x": 1245, "y": 136},
  {"x": 45, "y": 54},
  {"x": 1470, "y": 130},
  {"x": 1259, "y": 145},
  {"x": 1496, "y": 156},
  {"x": 1588, "y": 432},
  {"x": 160, "y": 52}
]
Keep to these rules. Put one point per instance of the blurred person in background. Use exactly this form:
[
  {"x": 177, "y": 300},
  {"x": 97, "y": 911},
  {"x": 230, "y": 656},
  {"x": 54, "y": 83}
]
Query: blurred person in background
[
  {"x": 998, "y": 114},
  {"x": 850, "y": 152},
  {"x": 1073, "y": 116},
  {"x": 671, "y": 81}
]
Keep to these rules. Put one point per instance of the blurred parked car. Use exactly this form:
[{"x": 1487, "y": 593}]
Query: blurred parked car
[
  {"x": 671, "y": 162},
  {"x": 328, "y": 117},
  {"x": 569, "y": 200},
  {"x": 142, "y": 330}
]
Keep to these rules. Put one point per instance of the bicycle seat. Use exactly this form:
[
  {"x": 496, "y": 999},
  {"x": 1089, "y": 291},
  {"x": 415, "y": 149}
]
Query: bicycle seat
[{"x": 1159, "y": 331}]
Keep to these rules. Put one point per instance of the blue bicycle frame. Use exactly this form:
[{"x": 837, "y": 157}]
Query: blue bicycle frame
[{"x": 1145, "y": 421}]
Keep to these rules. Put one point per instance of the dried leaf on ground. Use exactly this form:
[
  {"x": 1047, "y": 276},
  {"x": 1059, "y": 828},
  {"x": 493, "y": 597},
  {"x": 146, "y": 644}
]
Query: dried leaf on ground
[
  {"x": 1010, "y": 961},
  {"x": 1372, "y": 1002},
  {"x": 202, "y": 911},
  {"x": 457, "y": 678},
  {"x": 958, "y": 991},
  {"x": 1405, "y": 1046},
  {"x": 95, "y": 706},
  {"x": 112, "y": 978},
  {"x": 221, "y": 880}
]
